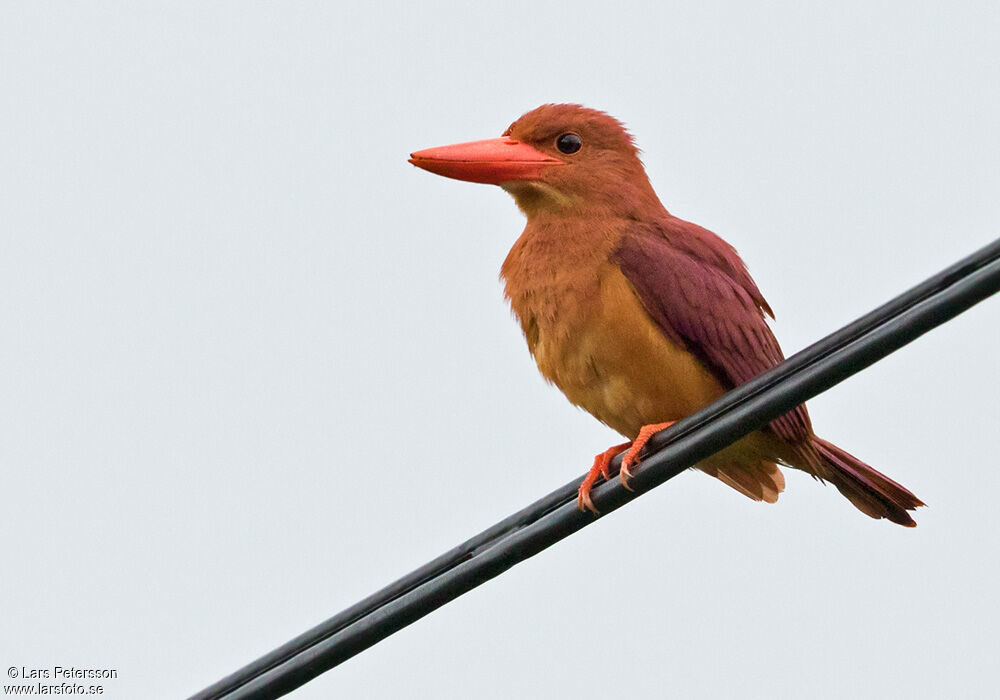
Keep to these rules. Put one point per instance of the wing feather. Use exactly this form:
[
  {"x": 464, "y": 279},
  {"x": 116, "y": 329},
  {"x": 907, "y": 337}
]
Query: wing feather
[{"x": 697, "y": 290}]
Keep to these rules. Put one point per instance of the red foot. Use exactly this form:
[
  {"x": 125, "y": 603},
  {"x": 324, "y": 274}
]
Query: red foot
[
  {"x": 600, "y": 468},
  {"x": 603, "y": 460},
  {"x": 631, "y": 457}
]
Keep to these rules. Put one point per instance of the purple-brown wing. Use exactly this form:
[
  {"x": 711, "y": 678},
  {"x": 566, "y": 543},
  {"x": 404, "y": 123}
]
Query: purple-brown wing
[{"x": 697, "y": 290}]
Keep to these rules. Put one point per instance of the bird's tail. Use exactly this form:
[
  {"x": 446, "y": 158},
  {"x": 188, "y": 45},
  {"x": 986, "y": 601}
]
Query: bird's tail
[{"x": 874, "y": 494}]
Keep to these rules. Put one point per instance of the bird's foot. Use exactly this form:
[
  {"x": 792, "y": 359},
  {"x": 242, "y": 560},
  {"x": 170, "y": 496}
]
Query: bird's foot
[
  {"x": 631, "y": 457},
  {"x": 600, "y": 468}
]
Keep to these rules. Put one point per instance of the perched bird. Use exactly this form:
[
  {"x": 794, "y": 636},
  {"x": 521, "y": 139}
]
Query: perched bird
[{"x": 639, "y": 317}]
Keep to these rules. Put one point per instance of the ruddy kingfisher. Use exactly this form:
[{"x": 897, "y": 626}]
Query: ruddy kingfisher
[{"x": 639, "y": 317}]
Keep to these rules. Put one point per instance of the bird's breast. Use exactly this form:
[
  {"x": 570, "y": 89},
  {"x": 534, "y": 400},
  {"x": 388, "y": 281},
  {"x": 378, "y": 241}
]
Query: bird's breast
[{"x": 592, "y": 338}]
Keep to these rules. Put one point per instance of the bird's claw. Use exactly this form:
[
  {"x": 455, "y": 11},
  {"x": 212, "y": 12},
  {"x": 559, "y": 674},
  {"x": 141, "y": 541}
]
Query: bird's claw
[
  {"x": 624, "y": 474},
  {"x": 583, "y": 501},
  {"x": 631, "y": 456},
  {"x": 600, "y": 468}
]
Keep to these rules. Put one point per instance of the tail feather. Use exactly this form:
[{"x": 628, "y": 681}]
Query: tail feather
[
  {"x": 761, "y": 481},
  {"x": 873, "y": 493}
]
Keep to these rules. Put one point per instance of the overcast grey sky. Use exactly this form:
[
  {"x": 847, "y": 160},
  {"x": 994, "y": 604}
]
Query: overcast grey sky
[{"x": 254, "y": 366}]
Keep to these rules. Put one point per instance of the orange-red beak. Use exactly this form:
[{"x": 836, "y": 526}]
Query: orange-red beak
[{"x": 493, "y": 161}]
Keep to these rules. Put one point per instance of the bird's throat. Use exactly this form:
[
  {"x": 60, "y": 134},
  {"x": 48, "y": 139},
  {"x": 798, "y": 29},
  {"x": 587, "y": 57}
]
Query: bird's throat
[{"x": 535, "y": 198}]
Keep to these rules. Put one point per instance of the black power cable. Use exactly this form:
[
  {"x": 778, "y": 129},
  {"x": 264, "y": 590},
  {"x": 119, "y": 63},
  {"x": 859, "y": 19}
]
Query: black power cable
[{"x": 545, "y": 522}]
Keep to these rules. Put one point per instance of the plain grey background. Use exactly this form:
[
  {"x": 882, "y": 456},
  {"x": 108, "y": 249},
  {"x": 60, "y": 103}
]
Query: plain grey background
[{"x": 254, "y": 366}]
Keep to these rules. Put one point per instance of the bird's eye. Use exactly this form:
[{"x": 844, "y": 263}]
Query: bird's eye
[{"x": 569, "y": 143}]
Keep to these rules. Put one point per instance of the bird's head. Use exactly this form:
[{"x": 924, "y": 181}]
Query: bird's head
[{"x": 555, "y": 159}]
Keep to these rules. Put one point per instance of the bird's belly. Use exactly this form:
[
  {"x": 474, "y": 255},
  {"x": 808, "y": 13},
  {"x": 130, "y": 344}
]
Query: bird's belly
[{"x": 615, "y": 363}]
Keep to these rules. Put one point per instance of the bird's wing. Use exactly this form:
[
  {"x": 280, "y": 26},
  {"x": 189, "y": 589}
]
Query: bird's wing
[{"x": 699, "y": 293}]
